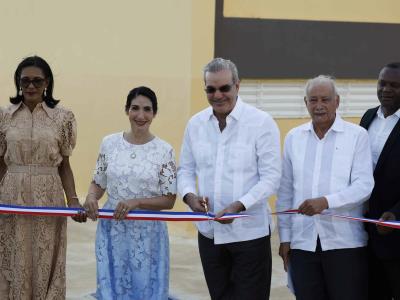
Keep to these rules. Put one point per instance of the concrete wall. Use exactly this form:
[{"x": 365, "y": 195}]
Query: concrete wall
[{"x": 99, "y": 50}]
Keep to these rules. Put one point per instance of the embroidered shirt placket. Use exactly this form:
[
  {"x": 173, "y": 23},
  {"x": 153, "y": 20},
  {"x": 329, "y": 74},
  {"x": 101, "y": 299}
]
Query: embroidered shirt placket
[
  {"x": 317, "y": 175},
  {"x": 219, "y": 164}
]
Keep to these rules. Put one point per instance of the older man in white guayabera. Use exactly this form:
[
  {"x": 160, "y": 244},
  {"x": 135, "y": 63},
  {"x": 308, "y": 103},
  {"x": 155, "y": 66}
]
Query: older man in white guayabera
[{"x": 327, "y": 167}]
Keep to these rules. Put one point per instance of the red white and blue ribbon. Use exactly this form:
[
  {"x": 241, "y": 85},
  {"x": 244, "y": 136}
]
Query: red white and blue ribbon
[
  {"x": 392, "y": 224},
  {"x": 163, "y": 215},
  {"x": 108, "y": 213}
]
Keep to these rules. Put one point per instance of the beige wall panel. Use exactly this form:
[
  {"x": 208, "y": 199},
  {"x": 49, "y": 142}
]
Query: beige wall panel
[
  {"x": 375, "y": 11},
  {"x": 202, "y": 51},
  {"x": 98, "y": 51},
  {"x": 203, "y": 19}
]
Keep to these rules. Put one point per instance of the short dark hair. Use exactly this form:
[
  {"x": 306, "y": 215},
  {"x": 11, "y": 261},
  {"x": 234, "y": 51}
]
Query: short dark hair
[
  {"x": 143, "y": 91},
  {"x": 35, "y": 61},
  {"x": 393, "y": 65}
]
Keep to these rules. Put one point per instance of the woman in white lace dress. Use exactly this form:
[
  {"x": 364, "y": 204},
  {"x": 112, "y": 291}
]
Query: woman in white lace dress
[{"x": 138, "y": 171}]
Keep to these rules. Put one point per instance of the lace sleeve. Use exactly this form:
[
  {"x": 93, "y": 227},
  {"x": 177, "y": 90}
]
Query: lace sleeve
[
  {"x": 3, "y": 143},
  {"x": 68, "y": 134},
  {"x": 99, "y": 174},
  {"x": 168, "y": 174}
]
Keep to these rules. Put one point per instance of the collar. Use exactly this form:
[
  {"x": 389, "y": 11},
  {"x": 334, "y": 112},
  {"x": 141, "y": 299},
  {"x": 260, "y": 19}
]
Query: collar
[
  {"x": 235, "y": 113},
  {"x": 14, "y": 107},
  {"x": 338, "y": 125},
  {"x": 380, "y": 115},
  {"x": 50, "y": 111}
]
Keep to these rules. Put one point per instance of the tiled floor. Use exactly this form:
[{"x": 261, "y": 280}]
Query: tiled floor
[{"x": 186, "y": 276}]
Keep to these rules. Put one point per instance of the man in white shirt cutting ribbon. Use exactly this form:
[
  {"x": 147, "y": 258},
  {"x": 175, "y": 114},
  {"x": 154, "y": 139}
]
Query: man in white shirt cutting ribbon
[{"x": 232, "y": 151}]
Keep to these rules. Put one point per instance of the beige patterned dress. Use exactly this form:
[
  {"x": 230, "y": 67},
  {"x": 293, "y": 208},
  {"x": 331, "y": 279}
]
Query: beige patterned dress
[{"x": 33, "y": 249}]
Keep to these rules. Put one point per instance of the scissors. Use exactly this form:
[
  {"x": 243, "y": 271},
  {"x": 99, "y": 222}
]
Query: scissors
[{"x": 206, "y": 208}]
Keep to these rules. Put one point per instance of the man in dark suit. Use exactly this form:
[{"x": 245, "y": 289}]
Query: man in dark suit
[{"x": 383, "y": 125}]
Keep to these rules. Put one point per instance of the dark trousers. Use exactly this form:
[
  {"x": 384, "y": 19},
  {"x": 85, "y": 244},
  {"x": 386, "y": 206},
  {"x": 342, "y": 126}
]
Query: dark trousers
[
  {"x": 240, "y": 270},
  {"x": 384, "y": 278},
  {"x": 332, "y": 275}
]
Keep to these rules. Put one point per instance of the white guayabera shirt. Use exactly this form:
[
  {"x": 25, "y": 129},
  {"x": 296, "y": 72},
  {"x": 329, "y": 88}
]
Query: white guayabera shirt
[
  {"x": 379, "y": 132},
  {"x": 338, "y": 167},
  {"x": 240, "y": 163}
]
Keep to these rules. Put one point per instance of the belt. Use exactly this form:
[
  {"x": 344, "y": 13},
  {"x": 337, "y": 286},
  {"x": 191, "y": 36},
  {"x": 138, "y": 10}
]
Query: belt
[{"x": 33, "y": 170}]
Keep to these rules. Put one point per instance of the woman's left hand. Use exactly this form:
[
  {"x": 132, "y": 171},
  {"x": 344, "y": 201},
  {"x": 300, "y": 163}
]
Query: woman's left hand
[{"x": 123, "y": 208}]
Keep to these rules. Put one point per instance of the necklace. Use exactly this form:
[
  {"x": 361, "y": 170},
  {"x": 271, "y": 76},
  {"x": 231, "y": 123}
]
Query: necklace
[{"x": 126, "y": 137}]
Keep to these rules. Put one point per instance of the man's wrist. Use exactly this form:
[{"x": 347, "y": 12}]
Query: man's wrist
[
  {"x": 326, "y": 203},
  {"x": 239, "y": 206},
  {"x": 187, "y": 197}
]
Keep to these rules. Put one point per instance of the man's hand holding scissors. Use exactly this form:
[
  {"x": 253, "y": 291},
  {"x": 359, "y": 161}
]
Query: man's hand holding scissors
[{"x": 196, "y": 203}]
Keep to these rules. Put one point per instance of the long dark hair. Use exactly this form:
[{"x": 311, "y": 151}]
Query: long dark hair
[{"x": 35, "y": 61}]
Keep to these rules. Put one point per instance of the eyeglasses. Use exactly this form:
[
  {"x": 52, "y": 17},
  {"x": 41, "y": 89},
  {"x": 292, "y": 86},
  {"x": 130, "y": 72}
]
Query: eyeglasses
[
  {"x": 37, "y": 82},
  {"x": 223, "y": 89}
]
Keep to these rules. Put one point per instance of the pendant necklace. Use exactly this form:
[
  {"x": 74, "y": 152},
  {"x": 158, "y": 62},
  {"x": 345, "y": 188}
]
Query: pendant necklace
[{"x": 133, "y": 154}]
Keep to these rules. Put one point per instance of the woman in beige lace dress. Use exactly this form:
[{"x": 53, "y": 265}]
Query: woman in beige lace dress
[{"x": 36, "y": 139}]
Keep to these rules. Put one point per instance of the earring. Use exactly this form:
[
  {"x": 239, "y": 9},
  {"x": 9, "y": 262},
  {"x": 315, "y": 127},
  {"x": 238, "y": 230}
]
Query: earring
[
  {"x": 45, "y": 92},
  {"x": 20, "y": 92}
]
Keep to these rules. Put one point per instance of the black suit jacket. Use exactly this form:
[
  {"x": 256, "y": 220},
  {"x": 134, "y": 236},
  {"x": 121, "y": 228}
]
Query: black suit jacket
[{"x": 386, "y": 193}]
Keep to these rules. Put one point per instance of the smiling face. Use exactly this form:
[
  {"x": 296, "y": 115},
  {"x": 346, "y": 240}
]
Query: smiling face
[
  {"x": 223, "y": 101},
  {"x": 322, "y": 102},
  {"x": 141, "y": 114},
  {"x": 33, "y": 83},
  {"x": 388, "y": 90}
]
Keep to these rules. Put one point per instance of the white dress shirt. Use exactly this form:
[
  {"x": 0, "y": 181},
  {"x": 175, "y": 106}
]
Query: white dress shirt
[
  {"x": 379, "y": 131},
  {"x": 338, "y": 167},
  {"x": 240, "y": 163}
]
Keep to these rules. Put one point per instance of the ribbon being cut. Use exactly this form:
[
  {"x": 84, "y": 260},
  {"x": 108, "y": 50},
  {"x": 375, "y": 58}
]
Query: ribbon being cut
[
  {"x": 108, "y": 213},
  {"x": 392, "y": 224},
  {"x": 163, "y": 215}
]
